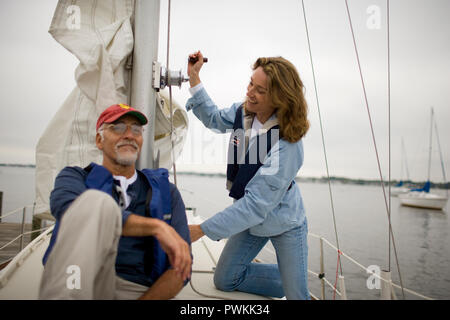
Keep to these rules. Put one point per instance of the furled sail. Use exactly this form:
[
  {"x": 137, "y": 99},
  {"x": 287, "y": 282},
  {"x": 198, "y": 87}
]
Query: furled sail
[{"x": 100, "y": 35}]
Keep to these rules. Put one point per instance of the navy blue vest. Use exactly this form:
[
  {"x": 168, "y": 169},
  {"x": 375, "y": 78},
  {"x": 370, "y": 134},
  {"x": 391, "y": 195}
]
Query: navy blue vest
[
  {"x": 243, "y": 164},
  {"x": 158, "y": 207}
]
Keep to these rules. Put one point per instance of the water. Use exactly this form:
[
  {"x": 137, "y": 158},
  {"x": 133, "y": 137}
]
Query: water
[
  {"x": 422, "y": 236},
  {"x": 17, "y": 185}
]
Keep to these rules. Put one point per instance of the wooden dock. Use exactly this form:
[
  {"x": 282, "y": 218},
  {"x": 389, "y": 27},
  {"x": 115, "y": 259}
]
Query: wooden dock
[{"x": 9, "y": 231}]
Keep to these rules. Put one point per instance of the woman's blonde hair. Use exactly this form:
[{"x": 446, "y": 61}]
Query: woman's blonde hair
[{"x": 286, "y": 91}]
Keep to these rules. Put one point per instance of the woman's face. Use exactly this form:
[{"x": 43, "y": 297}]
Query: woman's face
[{"x": 258, "y": 98}]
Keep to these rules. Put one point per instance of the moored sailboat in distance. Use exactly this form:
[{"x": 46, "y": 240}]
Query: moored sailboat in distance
[
  {"x": 401, "y": 187},
  {"x": 422, "y": 197}
]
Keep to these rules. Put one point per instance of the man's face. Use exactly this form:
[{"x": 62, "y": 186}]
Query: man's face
[{"x": 118, "y": 146}]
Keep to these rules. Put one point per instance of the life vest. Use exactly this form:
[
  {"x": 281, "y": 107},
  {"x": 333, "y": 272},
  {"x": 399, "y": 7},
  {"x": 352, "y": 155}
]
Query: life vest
[
  {"x": 158, "y": 205},
  {"x": 243, "y": 164}
]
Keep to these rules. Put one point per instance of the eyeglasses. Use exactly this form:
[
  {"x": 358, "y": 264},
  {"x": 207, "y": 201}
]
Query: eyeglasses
[{"x": 121, "y": 128}]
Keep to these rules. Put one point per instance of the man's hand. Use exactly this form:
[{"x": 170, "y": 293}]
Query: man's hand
[
  {"x": 196, "y": 232},
  {"x": 176, "y": 248},
  {"x": 166, "y": 287}
]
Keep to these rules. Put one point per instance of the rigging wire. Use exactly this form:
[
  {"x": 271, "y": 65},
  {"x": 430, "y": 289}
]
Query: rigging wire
[
  {"x": 321, "y": 130},
  {"x": 440, "y": 154},
  {"x": 405, "y": 161},
  {"x": 375, "y": 146},
  {"x": 170, "y": 96},
  {"x": 430, "y": 148},
  {"x": 389, "y": 128}
]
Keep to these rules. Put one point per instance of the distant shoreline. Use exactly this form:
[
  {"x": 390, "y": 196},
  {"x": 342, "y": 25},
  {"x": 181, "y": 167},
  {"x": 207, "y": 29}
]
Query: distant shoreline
[
  {"x": 340, "y": 180},
  {"x": 17, "y": 165}
]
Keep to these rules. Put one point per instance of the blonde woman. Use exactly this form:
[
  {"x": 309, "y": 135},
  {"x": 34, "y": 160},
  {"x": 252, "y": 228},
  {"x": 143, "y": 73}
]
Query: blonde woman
[{"x": 264, "y": 156}]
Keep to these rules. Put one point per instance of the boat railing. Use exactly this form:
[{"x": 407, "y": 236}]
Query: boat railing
[
  {"x": 23, "y": 233},
  {"x": 389, "y": 285},
  {"x": 15, "y": 211}
]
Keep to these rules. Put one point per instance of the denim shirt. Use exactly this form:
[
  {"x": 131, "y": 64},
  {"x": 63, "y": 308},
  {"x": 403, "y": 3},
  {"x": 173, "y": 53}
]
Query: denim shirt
[{"x": 268, "y": 208}]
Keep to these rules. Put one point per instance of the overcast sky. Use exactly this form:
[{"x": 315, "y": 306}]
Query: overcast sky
[{"x": 38, "y": 74}]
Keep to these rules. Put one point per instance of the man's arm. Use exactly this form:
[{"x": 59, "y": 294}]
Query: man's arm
[
  {"x": 174, "y": 239},
  {"x": 166, "y": 287},
  {"x": 69, "y": 185},
  {"x": 139, "y": 226},
  {"x": 176, "y": 248},
  {"x": 169, "y": 284}
]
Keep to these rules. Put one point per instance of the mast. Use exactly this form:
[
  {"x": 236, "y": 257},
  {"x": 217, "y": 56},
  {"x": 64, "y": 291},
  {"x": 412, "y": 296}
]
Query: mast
[
  {"x": 440, "y": 152},
  {"x": 402, "y": 163},
  {"x": 431, "y": 141},
  {"x": 143, "y": 96},
  {"x": 405, "y": 160}
]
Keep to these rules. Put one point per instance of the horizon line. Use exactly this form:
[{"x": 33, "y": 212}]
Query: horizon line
[{"x": 31, "y": 165}]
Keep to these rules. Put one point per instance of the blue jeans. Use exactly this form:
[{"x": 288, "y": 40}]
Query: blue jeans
[{"x": 289, "y": 278}]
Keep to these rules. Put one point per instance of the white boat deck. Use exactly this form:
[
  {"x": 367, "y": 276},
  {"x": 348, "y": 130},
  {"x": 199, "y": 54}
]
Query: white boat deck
[
  {"x": 20, "y": 279},
  {"x": 206, "y": 254}
]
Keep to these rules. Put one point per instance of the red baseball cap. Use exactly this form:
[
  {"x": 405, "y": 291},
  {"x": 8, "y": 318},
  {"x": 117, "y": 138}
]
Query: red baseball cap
[{"x": 116, "y": 111}]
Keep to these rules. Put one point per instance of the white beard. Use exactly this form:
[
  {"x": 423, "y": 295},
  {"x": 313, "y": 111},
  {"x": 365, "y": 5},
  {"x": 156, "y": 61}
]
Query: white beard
[{"x": 126, "y": 158}]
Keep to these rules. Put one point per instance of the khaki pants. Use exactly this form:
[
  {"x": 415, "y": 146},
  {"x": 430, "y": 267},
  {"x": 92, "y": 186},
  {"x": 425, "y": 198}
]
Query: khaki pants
[{"x": 82, "y": 262}]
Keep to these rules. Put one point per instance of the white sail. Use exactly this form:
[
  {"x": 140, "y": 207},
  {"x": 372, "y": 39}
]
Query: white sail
[{"x": 100, "y": 35}]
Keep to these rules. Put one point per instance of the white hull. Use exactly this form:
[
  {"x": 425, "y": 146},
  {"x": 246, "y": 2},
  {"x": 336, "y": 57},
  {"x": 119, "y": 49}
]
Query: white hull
[
  {"x": 423, "y": 200},
  {"x": 395, "y": 191}
]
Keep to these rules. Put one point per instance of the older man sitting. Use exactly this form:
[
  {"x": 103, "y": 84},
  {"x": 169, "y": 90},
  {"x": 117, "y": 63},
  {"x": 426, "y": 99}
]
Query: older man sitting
[{"x": 120, "y": 233}]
